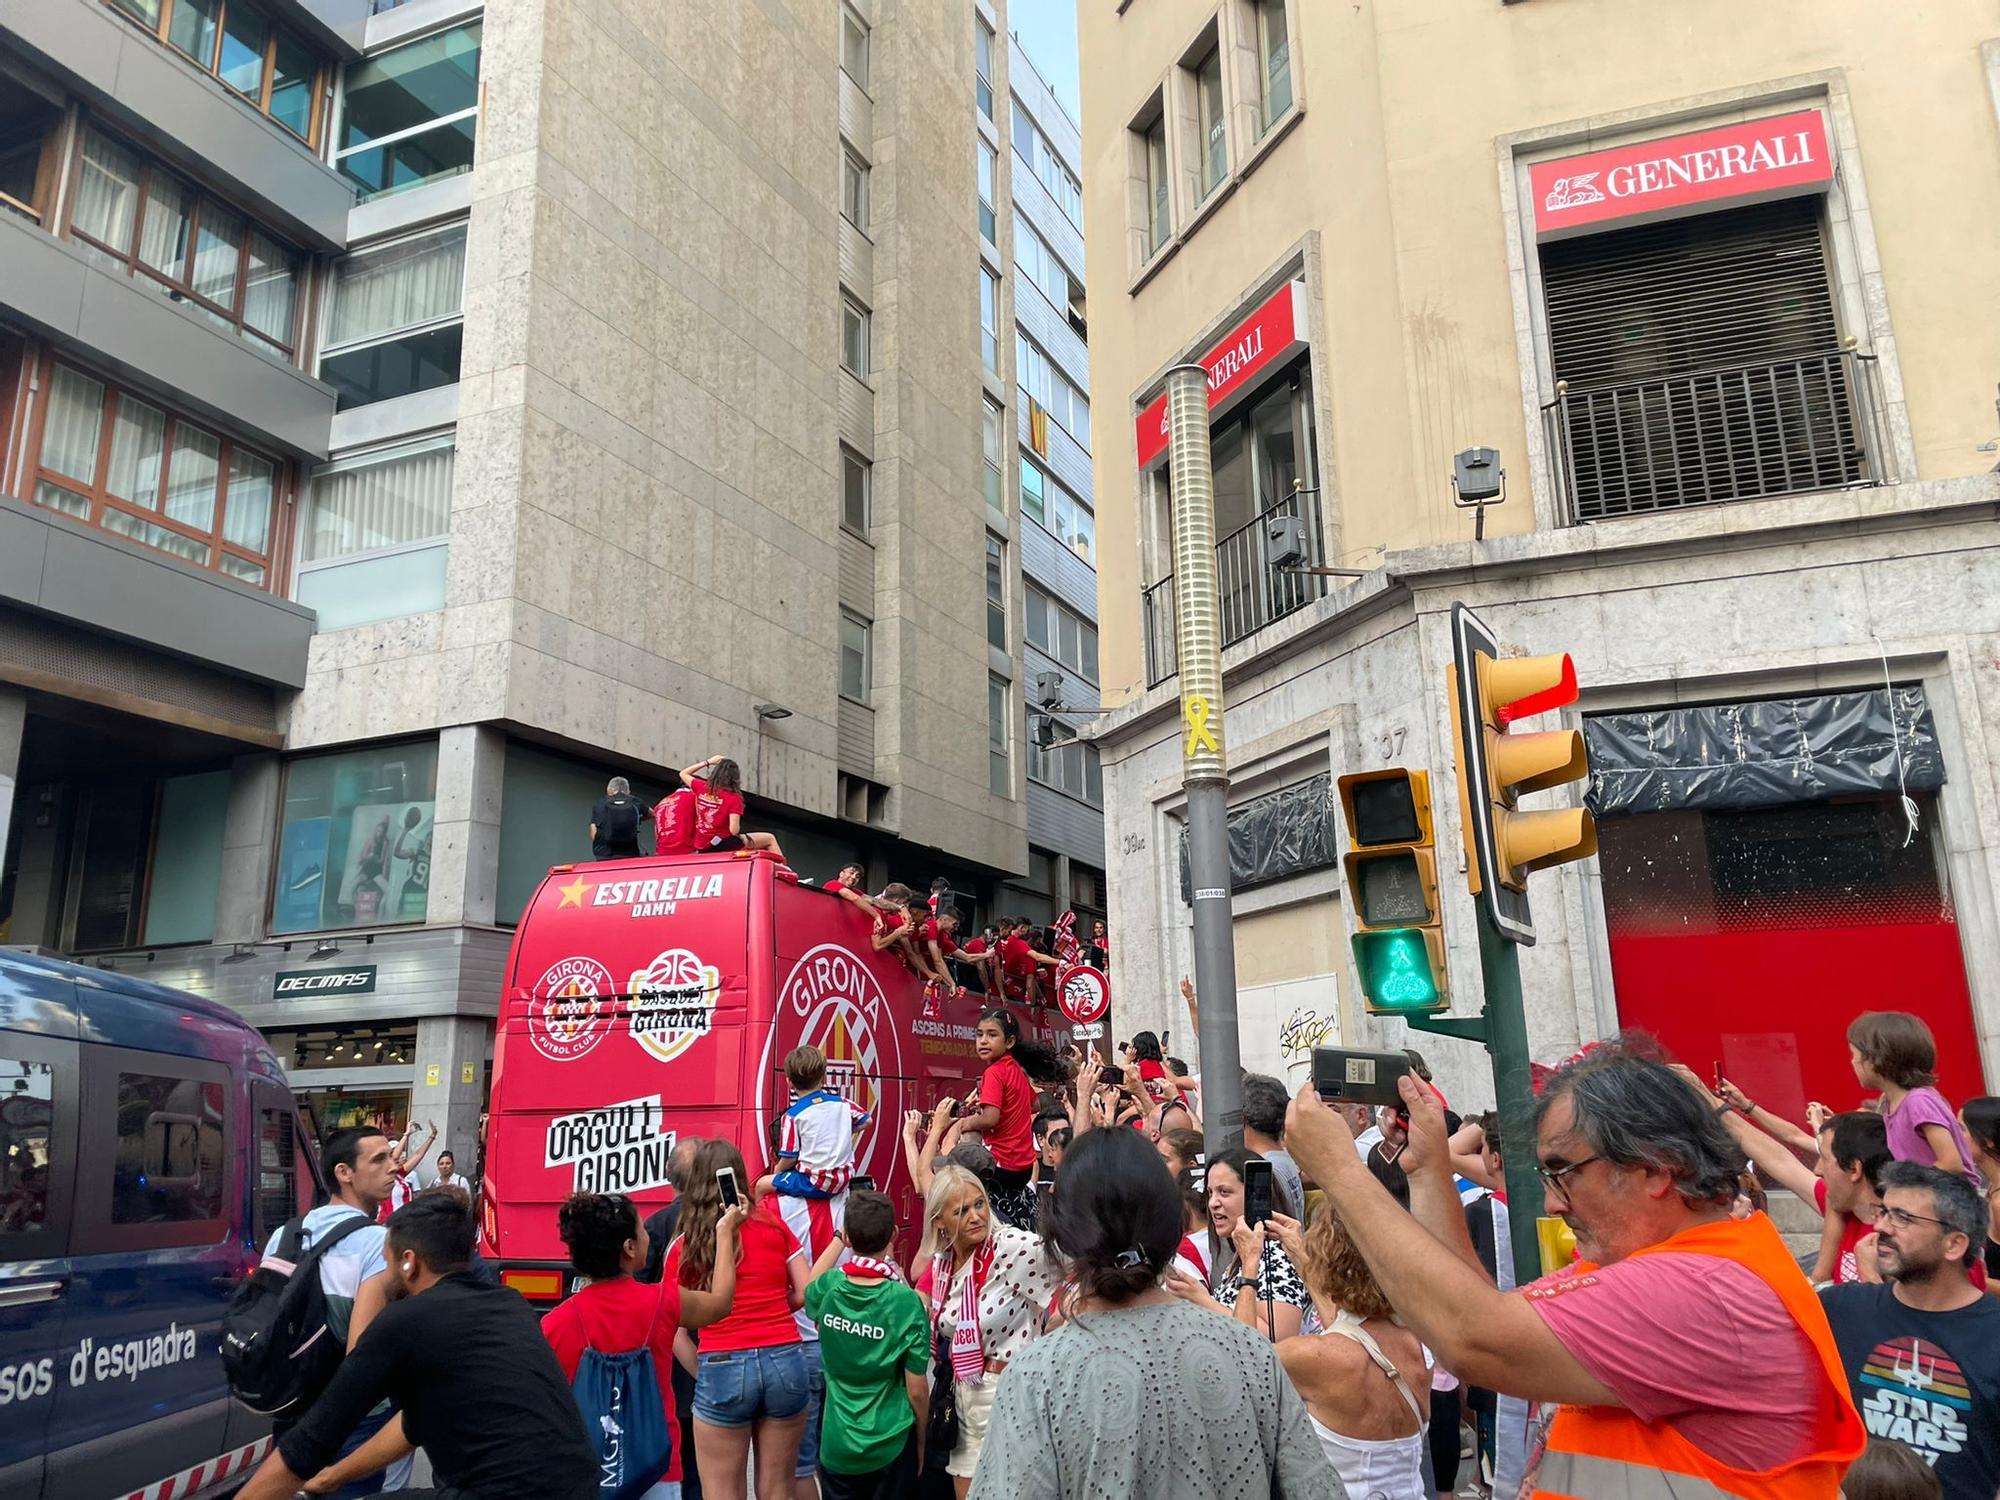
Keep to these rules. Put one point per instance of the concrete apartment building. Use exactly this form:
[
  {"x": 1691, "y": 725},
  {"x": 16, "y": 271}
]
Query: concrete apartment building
[
  {"x": 1709, "y": 278},
  {"x": 412, "y": 414}
]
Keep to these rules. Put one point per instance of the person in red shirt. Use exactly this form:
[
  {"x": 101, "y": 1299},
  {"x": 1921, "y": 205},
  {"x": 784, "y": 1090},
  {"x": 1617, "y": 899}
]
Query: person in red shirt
[
  {"x": 1021, "y": 961},
  {"x": 983, "y": 953},
  {"x": 718, "y": 809},
  {"x": 1005, "y": 1117},
  {"x": 751, "y": 1379},
  {"x": 612, "y": 1313}
]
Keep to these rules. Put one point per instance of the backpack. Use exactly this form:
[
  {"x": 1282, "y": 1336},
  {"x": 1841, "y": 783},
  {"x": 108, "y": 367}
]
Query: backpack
[
  {"x": 673, "y": 824},
  {"x": 619, "y": 1396},
  {"x": 277, "y": 1352}
]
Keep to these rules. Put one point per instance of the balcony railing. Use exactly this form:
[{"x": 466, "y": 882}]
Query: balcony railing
[
  {"x": 1253, "y": 589},
  {"x": 1717, "y": 435}
]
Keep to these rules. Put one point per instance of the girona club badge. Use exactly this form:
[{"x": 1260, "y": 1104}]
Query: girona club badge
[
  {"x": 570, "y": 1008},
  {"x": 1083, "y": 993},
  {"x": 833, "y": 1001}
]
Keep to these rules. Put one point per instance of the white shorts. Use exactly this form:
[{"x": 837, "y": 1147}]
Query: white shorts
[{"x": 975, "y": 1410}]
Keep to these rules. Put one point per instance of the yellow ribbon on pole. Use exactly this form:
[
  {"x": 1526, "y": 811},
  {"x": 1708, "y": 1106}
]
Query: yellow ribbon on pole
[{"x": 1194, "y": 712}]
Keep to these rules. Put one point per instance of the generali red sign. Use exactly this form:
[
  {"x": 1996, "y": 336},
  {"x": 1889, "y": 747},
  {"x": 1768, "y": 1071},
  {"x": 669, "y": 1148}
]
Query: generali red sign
[
  {"x": 1769, "y": 158},
  {"x": 1269, "y": 335}
]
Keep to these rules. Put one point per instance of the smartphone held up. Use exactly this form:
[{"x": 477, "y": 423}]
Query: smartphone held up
[{"x": 1345, "y": 1075}]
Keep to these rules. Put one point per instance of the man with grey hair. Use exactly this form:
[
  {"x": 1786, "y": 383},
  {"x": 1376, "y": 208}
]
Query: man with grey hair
[
  {"x": 614, "y": 822},
  {"x": 1683, "y": 1354},
  {"x": 1923, "y": 1350}
]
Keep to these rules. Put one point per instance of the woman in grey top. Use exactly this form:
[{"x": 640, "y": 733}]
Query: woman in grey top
[{"x": 1139, "y": 1393}]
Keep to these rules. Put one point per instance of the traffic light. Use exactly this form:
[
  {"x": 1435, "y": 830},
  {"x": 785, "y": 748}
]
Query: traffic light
[
  {"x": 1391, "y": 870},
  {"x": 1496, "y": 766}
]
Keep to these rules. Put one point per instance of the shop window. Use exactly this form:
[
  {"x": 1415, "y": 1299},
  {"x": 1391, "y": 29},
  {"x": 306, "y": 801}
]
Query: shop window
[
  {"x": 186, "y": 865},
  {"x": 397, "y": 320},
  {"x": 999, "y": 759},
  {"x": 235, "y": 41},
  {"x": 854, "y": 485},
  {"x": 982, "y": 65},
  {"x": 376, "y": 535},
  {"x": 411, "y": 115},
  {"x": 996, "y": 592},
  {"x": 988, "y": 162},
  {"x": 854, "y": 320},
  {"x": 167, "y": 1166},
  {"x": 854, "y": 48},
  {"x": 856, "y": 652},
  {"x": 121, "y": 464},
  {"x": 354, "y": 848},
  {"x": 1274, "y": 61},
  {"x": 189, "y": 246},
  {"x": 993, "y": 445}
]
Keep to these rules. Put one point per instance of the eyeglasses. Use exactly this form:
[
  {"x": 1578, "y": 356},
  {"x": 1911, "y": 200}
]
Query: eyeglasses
[
  {"x": 1554, "y": 1177},
  {"x": 1902, "y": 1218}
]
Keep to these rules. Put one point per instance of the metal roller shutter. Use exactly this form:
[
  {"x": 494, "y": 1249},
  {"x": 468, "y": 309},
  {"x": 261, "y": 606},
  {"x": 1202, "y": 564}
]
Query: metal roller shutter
[{"x": 1703, "y": 362}]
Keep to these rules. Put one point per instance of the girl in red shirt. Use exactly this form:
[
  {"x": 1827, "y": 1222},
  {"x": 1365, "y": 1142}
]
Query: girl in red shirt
[
  {"x": 750, "y": 1377},
  {"x": 614, "y": 1314},
  {"x": 718, "y": 809},
  {"x": 1006, "y": 1112}
]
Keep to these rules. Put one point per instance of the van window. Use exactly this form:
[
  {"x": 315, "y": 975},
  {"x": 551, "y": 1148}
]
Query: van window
[
  {"x": 285, "y": 1187},
  {"x": 169, "y": 1163},
  {"x": 27, "y": 1126}
]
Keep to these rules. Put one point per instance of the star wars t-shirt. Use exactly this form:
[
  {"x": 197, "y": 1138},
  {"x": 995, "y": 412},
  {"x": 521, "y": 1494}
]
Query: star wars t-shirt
[{"x": 1928, "y": 1380}]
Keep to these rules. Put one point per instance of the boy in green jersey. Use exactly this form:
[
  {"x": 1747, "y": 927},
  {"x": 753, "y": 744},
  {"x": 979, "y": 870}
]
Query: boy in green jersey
[{"x": 874, "y": 1339}]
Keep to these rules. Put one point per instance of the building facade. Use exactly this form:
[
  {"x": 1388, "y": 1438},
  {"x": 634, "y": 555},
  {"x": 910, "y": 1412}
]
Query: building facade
[
  {"x": 415, "y": 415},
  {"x": 1708, "y": 281}
]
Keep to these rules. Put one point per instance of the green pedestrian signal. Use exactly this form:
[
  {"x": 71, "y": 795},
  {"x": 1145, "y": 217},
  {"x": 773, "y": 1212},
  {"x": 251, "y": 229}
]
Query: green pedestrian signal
[{"x": 1399, "y": 971}]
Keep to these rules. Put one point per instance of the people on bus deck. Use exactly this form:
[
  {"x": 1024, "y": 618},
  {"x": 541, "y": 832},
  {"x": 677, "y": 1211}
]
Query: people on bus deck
[
  {"x": 1021, "y": 962},
  {"x": 752, "y": 1385},
  {"x": 479, "y": 1389},
  {"x": 717, "y": 784},
  {"x": 613, "y": 1314},
  {"x": 614, "y": 822},
  {"x": 1005, "y": 1117},
  {"x": 815, "y": 1153}
]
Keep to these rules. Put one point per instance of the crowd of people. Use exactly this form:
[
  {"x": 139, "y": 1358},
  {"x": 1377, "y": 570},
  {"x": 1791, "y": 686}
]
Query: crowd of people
[{"x": 1096, "y": 1307}]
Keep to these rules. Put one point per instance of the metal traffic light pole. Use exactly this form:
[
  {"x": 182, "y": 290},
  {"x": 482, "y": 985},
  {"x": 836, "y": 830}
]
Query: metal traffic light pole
[{"x": 1204, "y": 764}]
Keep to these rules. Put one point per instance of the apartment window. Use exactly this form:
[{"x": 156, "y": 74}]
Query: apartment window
[
  {"x": 1041, "y": 159},
  {"x": 993, "y": 440},
  {"x": 999, "y": 762},
  {"x": 854, "y": 47},
  {"x": 31, "y": 144},
  {"x": 989, "y": 164},
  {"x": 1213, "y": 144},
  {"x": 1274, "y": 58},
  {"x": 853, "y": 188},
  {"x": 1057, "y": 511},
  {"x": 409, "y": 115},
  {"x": 375, "y": 538},
  {"x": 266, "y": 67},
  {"x": 854, "y": 337},
  {"x": 396, "y": 319},
  {"x": 1036, "y": 261},
  {"x": 186, "y": 244},
  {"x": 1159, "y": 198},
  {"x": 354, "y": 847},
  {"x": 996, "y": 592},
  {"x": 989, "y": 320},
  {"x": 121, "y": 464},
  {"x": 1068, "y": 766},
  {"x": 856, "y": 660},
  {"x": 1059, "y": 631},
  {"x": 1062, "y": 400},
  {"x": 982, "y": 65},
  {"x": 854, "y": 485}
]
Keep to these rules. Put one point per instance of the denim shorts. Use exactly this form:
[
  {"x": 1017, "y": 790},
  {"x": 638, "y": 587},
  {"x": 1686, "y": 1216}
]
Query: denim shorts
[
  {"x": 735, "y": 1388},
  {"x": 809, "y": 1443}
]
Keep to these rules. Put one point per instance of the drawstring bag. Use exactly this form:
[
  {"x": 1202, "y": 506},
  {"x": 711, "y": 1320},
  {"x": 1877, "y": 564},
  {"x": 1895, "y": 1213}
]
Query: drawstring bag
[{"x": 619, "y": 1396}]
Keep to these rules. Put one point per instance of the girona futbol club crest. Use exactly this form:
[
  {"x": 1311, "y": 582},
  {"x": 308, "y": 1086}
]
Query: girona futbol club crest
[
  {"x": 832, "y": 1000},
  {"x": 569, "y": 1009}
]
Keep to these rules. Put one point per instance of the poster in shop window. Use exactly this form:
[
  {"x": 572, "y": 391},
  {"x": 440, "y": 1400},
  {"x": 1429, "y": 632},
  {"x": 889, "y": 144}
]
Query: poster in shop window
[
  {"x": 387, "y": 874},
  {"x": 301, "y": 874}
]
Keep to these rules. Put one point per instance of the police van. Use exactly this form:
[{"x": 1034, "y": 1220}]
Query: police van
[{"x": 149, "y": 1145}]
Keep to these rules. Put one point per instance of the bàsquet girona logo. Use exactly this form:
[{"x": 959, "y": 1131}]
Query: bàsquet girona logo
[
  {"x": 841, "y": 1009},
  {"x": 673, "y": 1003}
]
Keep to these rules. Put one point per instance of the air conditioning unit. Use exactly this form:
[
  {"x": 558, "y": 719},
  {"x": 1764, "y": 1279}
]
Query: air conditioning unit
[{"x": 1285, "y": 541}]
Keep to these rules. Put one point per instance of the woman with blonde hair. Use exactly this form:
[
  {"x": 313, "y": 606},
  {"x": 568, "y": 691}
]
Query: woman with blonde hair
[
  {"x": 1363, "y": 1378},
  {"x": 989, "y": 1286}
]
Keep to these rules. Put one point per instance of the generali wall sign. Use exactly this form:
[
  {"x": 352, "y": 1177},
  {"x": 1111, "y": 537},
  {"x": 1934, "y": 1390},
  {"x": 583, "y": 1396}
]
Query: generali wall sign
[
  {"x": 1770, "y": 158},
  {"x": 1268, "y": 337}
]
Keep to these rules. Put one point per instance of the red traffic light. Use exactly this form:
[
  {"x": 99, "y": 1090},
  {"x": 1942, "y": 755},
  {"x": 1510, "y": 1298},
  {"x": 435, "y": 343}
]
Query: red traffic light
[{"x": 1525, "y": 686}]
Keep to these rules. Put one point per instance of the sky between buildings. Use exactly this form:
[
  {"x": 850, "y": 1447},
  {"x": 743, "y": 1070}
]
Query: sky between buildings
[{"x": 1047, "y": 28}]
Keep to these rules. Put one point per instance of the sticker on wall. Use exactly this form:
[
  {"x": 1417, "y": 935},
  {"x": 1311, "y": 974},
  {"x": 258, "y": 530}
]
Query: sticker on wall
[
  {"x": 465, "y": 1072},
  {"x": 570, "y": 1008},
  {"x": 433, "y": 1075},
  {"x": 673, "y": 1003}
]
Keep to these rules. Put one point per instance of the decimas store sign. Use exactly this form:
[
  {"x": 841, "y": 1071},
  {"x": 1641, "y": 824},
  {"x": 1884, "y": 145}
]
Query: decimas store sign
[
  {"x": 1780, "y": 156},
  {"x": 1264, "y": 340}
]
